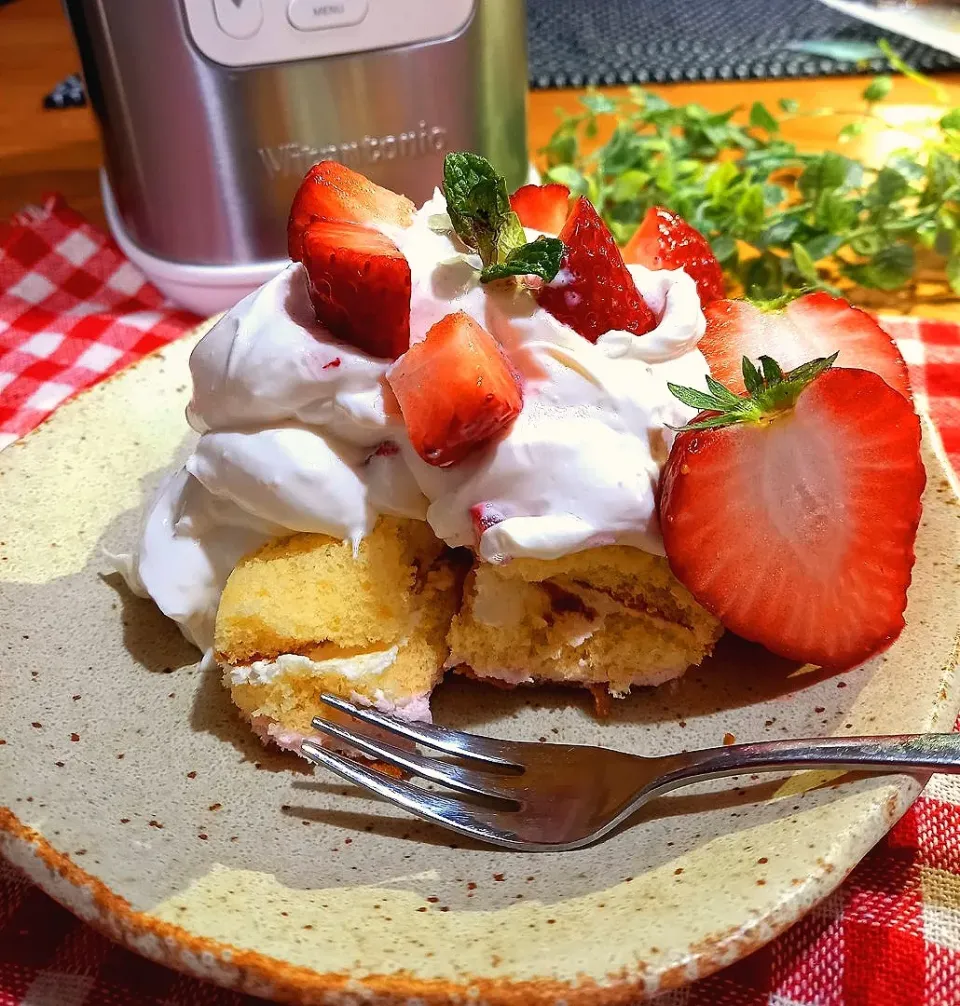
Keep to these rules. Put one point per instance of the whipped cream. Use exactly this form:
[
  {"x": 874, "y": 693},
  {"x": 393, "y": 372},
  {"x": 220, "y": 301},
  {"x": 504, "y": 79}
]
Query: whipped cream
[{"x": 300, "y": 432}]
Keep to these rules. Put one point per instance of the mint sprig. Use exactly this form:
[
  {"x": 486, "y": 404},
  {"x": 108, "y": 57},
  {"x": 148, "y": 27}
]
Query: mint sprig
[
  {"x": 769, "y": 391},
  {"x": 479, "y": 209}
]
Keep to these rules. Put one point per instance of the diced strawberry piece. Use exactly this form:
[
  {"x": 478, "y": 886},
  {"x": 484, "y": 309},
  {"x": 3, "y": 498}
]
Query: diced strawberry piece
[
  {"x": 798, "y": 531},
  {"x": 359, "y": 286},
  {"x": 812, "y": 326},
  {"x": 594, "y": 292},
  {"x": 332, "y": 191},
  {"x": 542, "y": 207},
  {"x": 666, "y": 241},
  {"x": 456, "y": 390}
]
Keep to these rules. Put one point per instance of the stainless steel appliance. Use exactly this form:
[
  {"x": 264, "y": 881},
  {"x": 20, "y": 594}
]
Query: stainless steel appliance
[{"x": 212, "y": 110}]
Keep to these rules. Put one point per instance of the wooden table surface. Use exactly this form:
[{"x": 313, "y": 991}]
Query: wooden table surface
[{"x": 42, "y": 151}]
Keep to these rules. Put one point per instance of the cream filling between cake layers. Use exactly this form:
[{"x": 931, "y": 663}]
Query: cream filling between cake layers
[
  {"x": 295, "y": 673},
  {"x": 360, "y": 667},
  {"x": 612, "y": 617}
]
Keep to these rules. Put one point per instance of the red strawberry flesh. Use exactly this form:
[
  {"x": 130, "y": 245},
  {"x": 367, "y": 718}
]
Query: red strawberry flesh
[
  {"x": 542, "y": 207},
  {"x": 594, "y": 292},
  {"x": 812, "y": 326},
  {"x": 666, "y": 241},
  {"x": 332, "y": 191},
  {"x": 798, "y": 533},
  {"x": 456, "y": 390},
  {"x": 485, "y": 516},
  {"x": 359, "y": 286}
]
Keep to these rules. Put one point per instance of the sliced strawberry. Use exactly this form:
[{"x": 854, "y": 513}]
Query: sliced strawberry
[
  {"x": 332, "y": 191},
  {"x": 594, "y": 291},
  {"x": 811, "y": 326},
  {"x": 359, "y": 286},
  {"x": 542, "y": 207},
  {"x": 666, "y": 241},
  {"x": 796, "y": 526},
  {"x": 456, "y": 390}
]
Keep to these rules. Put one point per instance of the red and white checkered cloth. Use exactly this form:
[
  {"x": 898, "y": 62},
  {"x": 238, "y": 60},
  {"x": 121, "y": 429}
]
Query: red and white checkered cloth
[{"x": 73, "y": 310}]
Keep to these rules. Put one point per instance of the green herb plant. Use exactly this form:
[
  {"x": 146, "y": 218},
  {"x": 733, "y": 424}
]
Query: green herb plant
[{"x": 780, "y": 221}]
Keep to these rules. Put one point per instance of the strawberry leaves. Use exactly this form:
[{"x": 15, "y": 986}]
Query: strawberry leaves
[
  {"x": 769, "y": 391},
  {"x": 479, "y": 210}
]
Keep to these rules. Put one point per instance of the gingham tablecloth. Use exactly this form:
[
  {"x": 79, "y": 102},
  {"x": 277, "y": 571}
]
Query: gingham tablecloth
[{"x": 72, "y": 311}]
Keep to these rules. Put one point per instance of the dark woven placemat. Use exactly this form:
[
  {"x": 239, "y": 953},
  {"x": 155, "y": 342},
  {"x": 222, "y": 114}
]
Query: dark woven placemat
[{"x": 577, "y": 42}]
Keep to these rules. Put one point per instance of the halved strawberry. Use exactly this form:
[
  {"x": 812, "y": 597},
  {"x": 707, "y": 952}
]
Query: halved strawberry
[
  {"x": 456, "y": 390},
  {"x": 542, "y": 207},
  {"x": 811, "y": 326},
  {"x": 795, "y": 524},
  {"x": 594, "y": 291},
  {"x": 359, "y": 286},
  {"x": 666, "y": 241},
  {"x": 332, "y": 191}
]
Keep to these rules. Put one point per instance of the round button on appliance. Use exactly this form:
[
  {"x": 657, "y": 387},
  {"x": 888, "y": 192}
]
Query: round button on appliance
[
  {"x": 238, "y": 18},
  {"x": 313, "y": 15}
]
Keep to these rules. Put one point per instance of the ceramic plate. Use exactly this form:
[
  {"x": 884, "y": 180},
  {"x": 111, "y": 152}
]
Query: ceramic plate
[{"x": 134, "y": 796}]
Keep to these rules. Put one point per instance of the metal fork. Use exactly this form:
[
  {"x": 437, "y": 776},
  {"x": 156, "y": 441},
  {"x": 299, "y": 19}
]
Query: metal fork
[{"x": 536, "y": 797}]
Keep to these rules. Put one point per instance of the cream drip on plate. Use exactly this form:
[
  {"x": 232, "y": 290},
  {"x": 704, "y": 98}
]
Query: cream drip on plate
[{"x": 299, "y": 432}]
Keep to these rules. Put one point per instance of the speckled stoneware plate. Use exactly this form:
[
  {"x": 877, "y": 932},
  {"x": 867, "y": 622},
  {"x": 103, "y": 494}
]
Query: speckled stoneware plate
[{"x": 134, "y": 796}]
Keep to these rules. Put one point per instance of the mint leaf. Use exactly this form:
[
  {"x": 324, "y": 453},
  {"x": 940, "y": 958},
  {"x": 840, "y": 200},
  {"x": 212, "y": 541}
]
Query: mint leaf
[
  {"x": 824, "y": 246},
  {"x": 877, "y": 89},
  {"x": 834, "y": 213},
  {"x": 804, "y": 263},
  {"x": 479, "y": 207},
  {"x": 951, "y": 120},
  {"x": 536, "y": 258},
  {"x": 953, "y": 273},
  {"x": 779, "y": 232},
  {"x": 850, "y": 131},
  {"x": 888, "y": 186},
  {"x": 477, "y": 201},
  {"x": 827, "y": 172},
  {"x": 562, "y": 147},
  {"x": 788, "y": 105},
  {"x": 889, "y": 269},
  {"x": 569, "y": 176},
  {"x": 761, "y": 118},
  {"x": 724, "y": 247},
  {"x": 629, "y": 186},
  {"x": 751, "y": 207},
  {"x": 598, "y": 103}
]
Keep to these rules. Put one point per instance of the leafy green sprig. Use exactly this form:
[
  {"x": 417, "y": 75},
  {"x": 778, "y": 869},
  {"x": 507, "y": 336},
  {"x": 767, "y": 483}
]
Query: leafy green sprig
[
  {"x": 779, "y": 220},
  {"x": 479, "y": 210}
]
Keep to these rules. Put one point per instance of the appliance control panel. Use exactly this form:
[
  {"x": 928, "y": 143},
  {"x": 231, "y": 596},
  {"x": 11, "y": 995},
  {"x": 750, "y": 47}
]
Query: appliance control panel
[{"x": 257, "y": 32}]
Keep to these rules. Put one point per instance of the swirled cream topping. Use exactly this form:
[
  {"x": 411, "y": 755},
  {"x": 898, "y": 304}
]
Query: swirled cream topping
[{"x": 300, "y": 432}]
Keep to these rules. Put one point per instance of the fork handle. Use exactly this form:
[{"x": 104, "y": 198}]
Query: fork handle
[{"x": 924, "y": 753}]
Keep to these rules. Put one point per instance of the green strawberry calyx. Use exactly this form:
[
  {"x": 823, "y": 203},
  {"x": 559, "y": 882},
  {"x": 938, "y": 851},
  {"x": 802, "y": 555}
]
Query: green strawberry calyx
[{"x": 770, "y": 392}]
